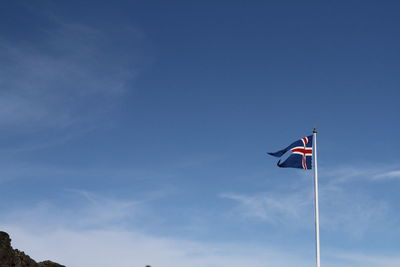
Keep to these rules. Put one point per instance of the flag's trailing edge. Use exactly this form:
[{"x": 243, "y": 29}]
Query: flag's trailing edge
[{"x": 301, "y": 154}]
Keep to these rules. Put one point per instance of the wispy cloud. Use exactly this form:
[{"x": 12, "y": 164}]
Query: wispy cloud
[
  {"x": 70, "y": 75},
  {"x": 128, "y": 248},
  {"x": 103, "y": 229},
  {"x": 367, "y": 260},
  {"x": 272, "y": 208},
  {"x": 84, "y": 210},
  {"x": 344, "y": 208},
  {"x": 395, "y": 174},
  {"x": 57, "y": 234},
  {"x": 346, "y": 174}
]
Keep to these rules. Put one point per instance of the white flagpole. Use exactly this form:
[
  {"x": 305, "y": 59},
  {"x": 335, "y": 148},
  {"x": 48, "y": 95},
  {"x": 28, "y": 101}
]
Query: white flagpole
[{"x": 315, "y": 166}]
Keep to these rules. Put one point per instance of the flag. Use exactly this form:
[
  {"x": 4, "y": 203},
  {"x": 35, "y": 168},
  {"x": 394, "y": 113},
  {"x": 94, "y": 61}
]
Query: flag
[{"x": 300, "y": 154}]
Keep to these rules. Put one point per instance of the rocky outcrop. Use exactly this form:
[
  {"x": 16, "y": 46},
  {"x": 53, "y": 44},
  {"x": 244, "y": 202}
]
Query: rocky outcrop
[
  {"x": 10, "y": 257},
  {"x": 49, "y": 264}
]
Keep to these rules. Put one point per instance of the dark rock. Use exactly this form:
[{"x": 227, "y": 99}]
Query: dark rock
[
  {"x": 49, "y": 264},
  {"x": 10, "y": 257}
]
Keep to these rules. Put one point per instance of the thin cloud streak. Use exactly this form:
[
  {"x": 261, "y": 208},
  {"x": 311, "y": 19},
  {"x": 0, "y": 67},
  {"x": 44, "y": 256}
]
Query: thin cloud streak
[
  {"x": 272, "y": 208},
  {"x": 346, "y": 174},
  {"x": 113, "y": 247},
  {"x": 388, "y": 175},
  {"x": 343, "y": 209},
  {"x": 104, "y": 248},
  {"x": 102, "y": 232},
  {"x": 71, "y": 239},
  {"x": 68, "y": 80}
]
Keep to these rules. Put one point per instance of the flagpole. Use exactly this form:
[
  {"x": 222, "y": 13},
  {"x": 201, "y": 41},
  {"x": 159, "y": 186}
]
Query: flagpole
[{"x": 315, "y": 166}]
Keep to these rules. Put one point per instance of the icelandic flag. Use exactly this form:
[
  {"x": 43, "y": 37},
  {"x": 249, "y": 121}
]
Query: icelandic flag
[{"x": 300, "y": 154}]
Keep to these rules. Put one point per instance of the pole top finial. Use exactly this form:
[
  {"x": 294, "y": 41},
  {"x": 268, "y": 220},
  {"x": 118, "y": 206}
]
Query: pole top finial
[{"x": 315, "y": 130}]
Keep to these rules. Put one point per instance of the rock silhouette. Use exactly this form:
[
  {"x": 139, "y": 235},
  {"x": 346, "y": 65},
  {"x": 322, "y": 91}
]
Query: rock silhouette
[{"x": 10, "y": 257}]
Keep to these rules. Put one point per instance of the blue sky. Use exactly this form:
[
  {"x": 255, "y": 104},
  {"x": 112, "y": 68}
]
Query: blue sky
[{"x": 137, "y": 131}]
